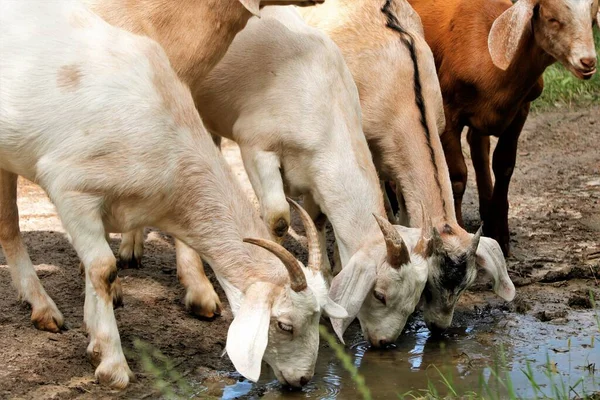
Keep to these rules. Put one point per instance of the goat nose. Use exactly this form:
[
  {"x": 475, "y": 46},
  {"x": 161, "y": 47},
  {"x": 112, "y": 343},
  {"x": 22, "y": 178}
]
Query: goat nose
[
  {"x": 588, "y": 62},
  {"x": 304, "y": 380}
]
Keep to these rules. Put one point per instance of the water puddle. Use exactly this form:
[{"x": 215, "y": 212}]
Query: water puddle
[{"x": 567, "y": 352}]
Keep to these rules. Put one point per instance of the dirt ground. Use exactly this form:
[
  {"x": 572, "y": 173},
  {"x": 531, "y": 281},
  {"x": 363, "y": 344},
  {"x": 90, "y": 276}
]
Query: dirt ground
[{"x": 554, "y": 219}]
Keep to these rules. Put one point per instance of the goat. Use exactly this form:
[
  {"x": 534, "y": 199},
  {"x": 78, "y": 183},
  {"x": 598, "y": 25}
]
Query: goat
[
  {"x": 298, "y": 125},
  {"x": 490, "y": 57},
  {"x": 96, "y": 116},
  {"x": 195, "y": 35},
  {"x": 400, "y": 96}
]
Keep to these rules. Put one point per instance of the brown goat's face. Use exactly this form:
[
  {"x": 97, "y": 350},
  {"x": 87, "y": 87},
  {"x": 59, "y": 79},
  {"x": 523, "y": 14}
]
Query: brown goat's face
[{"x": 563, "y": 29}]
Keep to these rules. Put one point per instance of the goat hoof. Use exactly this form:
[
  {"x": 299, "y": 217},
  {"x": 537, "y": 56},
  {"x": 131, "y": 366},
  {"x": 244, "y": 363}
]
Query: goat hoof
[
  {"x": 47, "y": 318},
  {"x": 115, "y": 374},
  {"x": 280, "y": 228},
  {"x": 204, "y": 304},
  {"x": 131, "y": 263},
  {"x": 116, "y": 292}
]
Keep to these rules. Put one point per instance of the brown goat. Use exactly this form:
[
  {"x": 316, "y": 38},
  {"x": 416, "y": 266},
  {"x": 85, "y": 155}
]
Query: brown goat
[{"x": 490, "y": 56}]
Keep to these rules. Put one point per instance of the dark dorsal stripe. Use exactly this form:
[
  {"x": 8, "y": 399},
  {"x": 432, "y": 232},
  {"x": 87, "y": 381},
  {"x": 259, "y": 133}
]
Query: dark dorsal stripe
[{"x": 409, "y": 42}]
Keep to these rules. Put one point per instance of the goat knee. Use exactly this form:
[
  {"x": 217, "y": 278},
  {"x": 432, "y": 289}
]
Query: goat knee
[
  {"x": 103, "y": 276},
  {"x": 276, "y": 214}
]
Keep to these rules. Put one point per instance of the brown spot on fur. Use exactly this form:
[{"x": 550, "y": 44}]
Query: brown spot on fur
[
  {"x": 103, "y": 273},
  {"x": 447, "y": 229},
  {"x": 69, "y": 77}
]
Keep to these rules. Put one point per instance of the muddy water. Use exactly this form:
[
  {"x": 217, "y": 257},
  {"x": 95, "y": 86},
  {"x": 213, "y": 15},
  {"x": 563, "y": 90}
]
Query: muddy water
[{"x": 564, "y": 350}]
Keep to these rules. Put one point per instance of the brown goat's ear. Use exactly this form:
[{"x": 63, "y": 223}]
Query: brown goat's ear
[
  {"x": 252, "y": 5},
  {"x": 507, "y": 31}
]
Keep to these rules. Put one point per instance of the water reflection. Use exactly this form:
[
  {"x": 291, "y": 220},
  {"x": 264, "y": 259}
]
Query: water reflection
[{"x": 468, "y": 356}]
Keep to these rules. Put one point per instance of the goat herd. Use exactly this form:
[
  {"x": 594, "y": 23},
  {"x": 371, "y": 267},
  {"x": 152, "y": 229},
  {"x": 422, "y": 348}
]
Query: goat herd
[{"x": 114, "y": 107}]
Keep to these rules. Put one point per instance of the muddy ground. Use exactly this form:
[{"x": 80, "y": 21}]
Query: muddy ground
[{"x": 554, "y": 219}]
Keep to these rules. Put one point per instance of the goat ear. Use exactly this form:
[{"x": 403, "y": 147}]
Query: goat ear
[
  {"x": 598, "y": 18},
  {"x": 507, "y": 30},
  {"x": 252, "y": 5},
  {"x": 249, "y": 332},
  {"x": 349, "y": 289},
  {"x": 491, "y": 259},
  {"x": 334, "y": 310}
]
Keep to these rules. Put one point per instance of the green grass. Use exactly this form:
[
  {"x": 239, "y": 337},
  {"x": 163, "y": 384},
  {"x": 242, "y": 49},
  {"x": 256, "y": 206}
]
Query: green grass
[{"x": 562, "y": 89}]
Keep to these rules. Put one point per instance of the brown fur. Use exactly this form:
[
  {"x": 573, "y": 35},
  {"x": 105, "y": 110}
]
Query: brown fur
[
  {"x": 103, "y": 274},
  {"x": 481, "y": 96}
]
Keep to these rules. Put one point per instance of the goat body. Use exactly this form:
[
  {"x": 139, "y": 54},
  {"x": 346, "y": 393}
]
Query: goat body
[
  {"x": 490, "y": 56},
  {"x": 394, "y": 69},
  {"x": 195, "y": 35},
  {"x": 298, "y": 124},
  {"x": 97, "y": 117}
]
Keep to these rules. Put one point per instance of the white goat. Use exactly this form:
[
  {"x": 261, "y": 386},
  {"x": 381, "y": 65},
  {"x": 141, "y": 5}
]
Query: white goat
[
  {"x": 195, "y": 35},
  {"x": 97, "y": 117},
  {"x": 300, "y": 114},
  {"x": 298, "y": 124}
]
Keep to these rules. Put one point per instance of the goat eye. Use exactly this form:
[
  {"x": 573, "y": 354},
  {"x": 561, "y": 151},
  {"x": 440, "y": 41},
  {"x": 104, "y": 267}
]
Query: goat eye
[
  {"x": 379, "y": 296},
  {"x": 556, "y": 23},
  {"x": 285, "y": 327}
]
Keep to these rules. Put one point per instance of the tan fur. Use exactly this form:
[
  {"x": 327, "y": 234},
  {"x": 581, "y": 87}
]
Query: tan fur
[
  {"x": 69, "y": 77},
  {"x": 391, "y": 119}
]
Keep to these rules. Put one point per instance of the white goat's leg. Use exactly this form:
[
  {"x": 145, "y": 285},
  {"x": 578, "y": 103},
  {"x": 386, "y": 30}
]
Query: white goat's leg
[
  {"x": 131, "y": 249},
  {"x": 320, "y": 220},
  {"x": 81, "y": 216},
  {"x": 44, "y": 313},
  {"x": 116, "y": 289},
  {"x": 200, "y": 296},
  {"x": 265, "y": 176}
]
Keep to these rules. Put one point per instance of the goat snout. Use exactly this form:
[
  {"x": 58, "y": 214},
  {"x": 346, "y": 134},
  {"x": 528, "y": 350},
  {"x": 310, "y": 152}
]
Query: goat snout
[
  {"x": 436, "y": 329},
  {"x": 296, "y": 384},
  {"x": 381, "y": 343},
  {"x": 588, "y": 62}
]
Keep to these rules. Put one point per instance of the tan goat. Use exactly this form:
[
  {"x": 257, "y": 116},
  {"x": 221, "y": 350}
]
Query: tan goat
[{"x": 384, "y": 46}]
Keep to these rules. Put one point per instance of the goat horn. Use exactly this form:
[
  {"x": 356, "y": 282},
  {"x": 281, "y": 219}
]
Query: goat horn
[
  {"x": 297, "y": 278},
  {"x": 430, "y": 234},
  {"x": 314, "y": 248},
  {"x": 475, "y": 241},
  {"x": 397, "y": 253}
]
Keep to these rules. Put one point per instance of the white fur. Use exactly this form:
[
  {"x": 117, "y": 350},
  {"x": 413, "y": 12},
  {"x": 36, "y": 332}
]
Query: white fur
[
  {"x": 97, "y": 118},
  {"x": 298, "y": 124}
]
